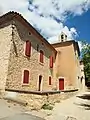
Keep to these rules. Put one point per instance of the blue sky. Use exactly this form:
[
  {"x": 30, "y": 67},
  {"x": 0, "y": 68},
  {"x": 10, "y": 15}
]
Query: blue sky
[
  {"x": 81, "y": 23},
  {"x": 51, "y": 17}
]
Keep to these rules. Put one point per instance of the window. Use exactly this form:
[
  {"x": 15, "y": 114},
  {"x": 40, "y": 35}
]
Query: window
[
  {"x": 26, "y": 77},
  {"x": 66, "y": 37},
  {"x": 62, "y": 37},
  {"x": 28, "y": 48},
  {"x": 49, "y": 80},
  {"x": 51, "y": 62},
  {"x": 41, "y": 56},
  {"x": 37, "y": 47}
]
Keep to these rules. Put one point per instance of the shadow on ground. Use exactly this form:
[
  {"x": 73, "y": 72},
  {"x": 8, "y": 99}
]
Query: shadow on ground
[
  {"x": 85, "y": 105},
  {"x": 84, "y": 96}
]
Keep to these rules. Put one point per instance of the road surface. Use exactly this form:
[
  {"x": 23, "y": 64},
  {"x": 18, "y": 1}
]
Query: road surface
[
  {"x": 75, "y": 108},
  {"x": 22, "y": 116},
  {"x": 12, "y": 111}
]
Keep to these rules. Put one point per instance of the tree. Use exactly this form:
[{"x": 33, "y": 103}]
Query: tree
[{"x": 86, "y": 60}]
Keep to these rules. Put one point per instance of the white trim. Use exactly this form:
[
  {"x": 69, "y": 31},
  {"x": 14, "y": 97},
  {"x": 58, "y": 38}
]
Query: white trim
[{"x": 61, "y": 77}]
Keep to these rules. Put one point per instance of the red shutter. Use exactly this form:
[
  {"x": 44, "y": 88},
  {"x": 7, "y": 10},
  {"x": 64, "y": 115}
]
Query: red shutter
[
  {"x": 26, "y": 77},
  {"x": 41, "y": 56},
  {"x": 51, "y": 62},
  {"x": 28, "y": 49},
  {"x": 49, "y": 80}
]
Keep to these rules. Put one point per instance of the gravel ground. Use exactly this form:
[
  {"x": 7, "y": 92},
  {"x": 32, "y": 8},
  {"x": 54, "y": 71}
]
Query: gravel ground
[{"x": 74, "y": 108}]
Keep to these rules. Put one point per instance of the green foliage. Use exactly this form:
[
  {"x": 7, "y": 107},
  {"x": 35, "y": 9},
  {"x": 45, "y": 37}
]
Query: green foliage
[
  {"x": 47, "y": 107},
  {"x": 86, "y": 60}
]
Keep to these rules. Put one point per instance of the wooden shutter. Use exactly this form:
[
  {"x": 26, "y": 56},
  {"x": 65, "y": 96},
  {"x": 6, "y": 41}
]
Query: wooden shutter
[
  {"x": 26, "y": 77},
  {"x": 41, "y": 56},
  {"x": 49, "y": 80},
  {"x": 51, "y": 62},
  {"x": 28, "y": 48}
]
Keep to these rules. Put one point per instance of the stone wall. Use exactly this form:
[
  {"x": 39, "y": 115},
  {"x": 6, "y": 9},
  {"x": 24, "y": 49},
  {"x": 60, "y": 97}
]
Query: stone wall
[
  {"x": 36, "y": 101},
  {"x": 18, "y": 62},
  {"x": 5, "y": 44}
]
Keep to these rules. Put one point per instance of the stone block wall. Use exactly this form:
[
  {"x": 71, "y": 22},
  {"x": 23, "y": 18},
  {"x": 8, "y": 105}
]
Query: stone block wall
[
  {"x": 5, "y": 44},
  {"x": 18, "y": 62},
  {"x": 36, "y": 101}
]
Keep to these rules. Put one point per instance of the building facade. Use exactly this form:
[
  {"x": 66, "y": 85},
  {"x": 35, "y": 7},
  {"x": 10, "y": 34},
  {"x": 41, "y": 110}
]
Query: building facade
[
  {"x": 82, "y": 76},
  {"x": 28, "y": 62},
  {"x": 67, "y": 63},
  {"x": 28, "y": 58}
]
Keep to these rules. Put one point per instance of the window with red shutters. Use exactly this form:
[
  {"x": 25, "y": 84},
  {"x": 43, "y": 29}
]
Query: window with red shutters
[
  {"x": 26, "y": 77},
  {"x": 50, "y": 80},
  {"x": 28, "y": 48},
  {"x": 41, "y": 56},
  {"x": 51, "y": 61}
]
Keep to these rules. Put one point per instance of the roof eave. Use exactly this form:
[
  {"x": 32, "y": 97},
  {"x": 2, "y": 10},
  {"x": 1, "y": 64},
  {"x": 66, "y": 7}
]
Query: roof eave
[{"x": 19, "y": 17}]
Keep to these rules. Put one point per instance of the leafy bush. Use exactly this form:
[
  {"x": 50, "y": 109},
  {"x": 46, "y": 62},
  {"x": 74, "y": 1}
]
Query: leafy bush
[{"x": 47, "y": 107}]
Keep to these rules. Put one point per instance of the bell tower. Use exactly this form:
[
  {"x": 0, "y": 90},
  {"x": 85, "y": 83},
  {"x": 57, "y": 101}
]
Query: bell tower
[{"x": 62, "y": 37}]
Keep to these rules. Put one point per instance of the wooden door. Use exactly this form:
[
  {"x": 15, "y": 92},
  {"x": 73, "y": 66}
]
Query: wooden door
[{"x": 61, "y": 83}]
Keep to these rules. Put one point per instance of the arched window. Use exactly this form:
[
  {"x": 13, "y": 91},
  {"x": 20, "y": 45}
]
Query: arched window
[
  {"x": 26, "y": 77},
  {"x": 41, "y": 56},
  {"x": 28, "y": 48},
  {"x": 66, "y": 37},
  {"x": 62, "y": 38}
]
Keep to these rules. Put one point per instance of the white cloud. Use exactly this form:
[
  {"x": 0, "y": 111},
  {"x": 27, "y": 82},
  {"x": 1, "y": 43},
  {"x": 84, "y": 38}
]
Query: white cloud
[
  {"x": 43, "y": 14},
  {"x": 71, "y": 33},
  {"x": 59, "y": 8},
  {"x": 18, "y": 5}
]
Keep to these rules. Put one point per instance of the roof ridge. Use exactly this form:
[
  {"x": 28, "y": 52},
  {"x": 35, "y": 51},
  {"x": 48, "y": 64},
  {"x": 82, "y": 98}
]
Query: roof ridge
[{"x": 12, "y": 14}]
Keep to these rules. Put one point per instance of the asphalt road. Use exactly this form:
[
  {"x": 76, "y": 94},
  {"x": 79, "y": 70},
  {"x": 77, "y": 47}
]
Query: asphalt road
[
  {"x": 22, "y": 116},
  {"x": 12, "y": 111}
]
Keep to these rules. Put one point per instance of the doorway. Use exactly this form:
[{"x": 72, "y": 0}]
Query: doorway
[
  {"x": 40, "y": 82},
  {"x": 61, "y": 83}
]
